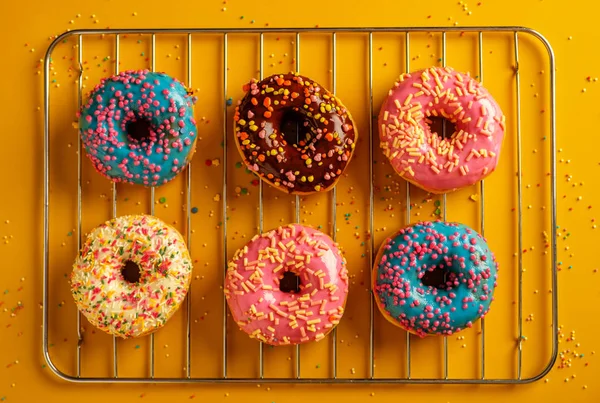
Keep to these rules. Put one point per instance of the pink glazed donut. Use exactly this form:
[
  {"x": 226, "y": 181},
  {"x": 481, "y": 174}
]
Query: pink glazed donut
[
  {"x": 425, "y": 158},
  {"x": 287, "y": 286}
]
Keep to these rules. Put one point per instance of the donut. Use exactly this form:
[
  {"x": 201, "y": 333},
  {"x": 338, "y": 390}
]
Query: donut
[
  {"x": 138, "y": 127},
  {"x": 434, "y": 162},
  {"x": 131, "y": 275},
  {"x": 326, "y": 142},
  {"x": 287, "y": 286},
  {"x": 434, "y": 278}
]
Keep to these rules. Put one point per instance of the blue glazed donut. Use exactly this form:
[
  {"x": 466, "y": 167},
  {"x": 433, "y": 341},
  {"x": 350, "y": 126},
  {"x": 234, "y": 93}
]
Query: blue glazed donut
[
  {"x": 434, "y": 278},
  {"x": 138, "y": 127}
]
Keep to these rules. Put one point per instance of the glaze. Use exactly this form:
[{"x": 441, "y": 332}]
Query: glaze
[
  {"x": 138, "y": 127},
  {"x": 255, "y": 274},
  {"x": 461, "y": 297},
  {"x": 326, "y": 143},
  {"x": 425, "y": 158},
  {"x": 123, "y": 308}
]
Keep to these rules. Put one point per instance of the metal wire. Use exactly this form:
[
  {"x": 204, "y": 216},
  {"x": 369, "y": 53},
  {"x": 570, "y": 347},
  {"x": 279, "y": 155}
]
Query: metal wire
[
  {"x": 444, "y": 202},
  {"x": 114, "y": 211},
  {"x": 79, "y": 154},
  {"x": 297, "y": 205},
  {"x": 261, "y": 58},
  {"x": 514, "y": 31},
  {"x": 407, "y": 68},
  {"x": 334, "y": 195},
  {"x": 224, "y": 205},
  {"x": 520, "y": 206},
  {"x": 152, "y": 198},
  {"x": 188, "y": 185},
  {"x": 482, "y": 204},
  {"x": 371, "y": 210}
]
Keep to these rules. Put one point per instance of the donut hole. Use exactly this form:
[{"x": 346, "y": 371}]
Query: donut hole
[
  {"x": 138, "y": 130},
  {"x": 441, "y": 126},
  {"x": 291, "y": 127},
  {"x": 131, "y": 272},
  {"x": 289, "y": 282},
  {"x": 438, "y": 278}
]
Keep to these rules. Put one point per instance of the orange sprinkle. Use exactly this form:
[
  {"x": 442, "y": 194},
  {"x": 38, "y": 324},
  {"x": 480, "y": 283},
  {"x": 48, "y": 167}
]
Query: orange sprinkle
[
  {"x": 267, "y": 114},
  {"x": 254, "y": 101}
]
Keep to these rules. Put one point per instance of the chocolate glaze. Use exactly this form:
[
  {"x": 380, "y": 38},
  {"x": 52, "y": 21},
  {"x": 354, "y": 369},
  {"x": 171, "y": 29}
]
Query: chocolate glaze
[{"x": 326, "y": 141}]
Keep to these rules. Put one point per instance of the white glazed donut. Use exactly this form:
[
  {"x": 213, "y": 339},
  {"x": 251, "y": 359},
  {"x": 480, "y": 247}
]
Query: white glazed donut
[{"x": 131, "y": 275}]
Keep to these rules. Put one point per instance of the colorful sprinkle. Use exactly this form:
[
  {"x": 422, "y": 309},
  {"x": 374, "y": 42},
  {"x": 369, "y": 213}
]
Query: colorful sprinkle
[
  {"x": 112, "y": 303},
  {"x": 123, "y": 129},
  {"x": 304, "y": 276},
  {"x": 316, "y": 159},
  {"x": 423, "y": 299},
  {"x": 440, "y": 162}
]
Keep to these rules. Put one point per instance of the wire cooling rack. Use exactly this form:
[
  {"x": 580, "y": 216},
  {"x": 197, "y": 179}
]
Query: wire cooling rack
[{"x": 513, "y": 34}]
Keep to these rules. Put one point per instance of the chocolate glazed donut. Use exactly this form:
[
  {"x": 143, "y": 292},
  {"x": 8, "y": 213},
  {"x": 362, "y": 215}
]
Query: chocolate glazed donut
[{"x": 326, "y": 137}]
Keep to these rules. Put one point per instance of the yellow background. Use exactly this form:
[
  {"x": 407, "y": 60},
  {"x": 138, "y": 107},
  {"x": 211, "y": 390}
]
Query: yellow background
[{"x": 28, "y": 29}]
